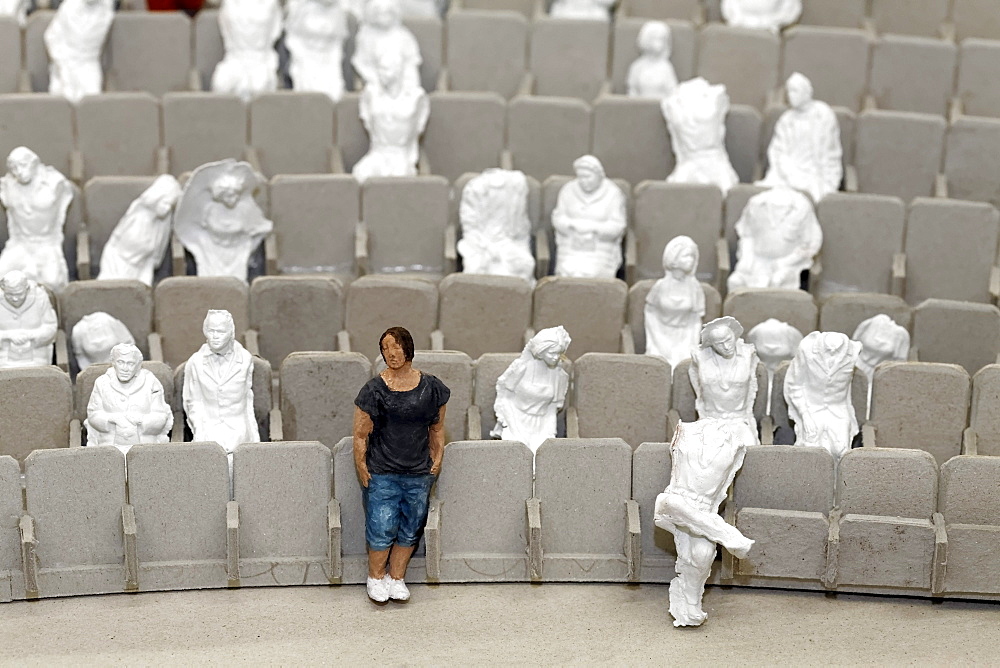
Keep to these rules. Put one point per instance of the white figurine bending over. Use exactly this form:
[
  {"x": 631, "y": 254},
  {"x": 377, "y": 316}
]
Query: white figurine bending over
[
  {"x": 779, "y": 235},
  {"x": 772, "y": 15},
  {"x": 382, "y": 32},
  {"x": 95, "y": 335},
  {"x": 595, "y": 10},
  {"x": 652, "y": 74},
  {"x": 315, "y": 31},
  {"x": 676, "y": 304},
  {"x": 127, "y": 405},
  {"x": 37, "y": 198},
  {"x": 882, "y": 340},
  {"x": 27, "y": 322},
  {"x": 532, "y": 390},
  {"x": 775, "y": 341},
  {"x": 249, "y": 30},
  {"x": 805, "y": 151},
  {"x": 139, "y": 241},
  {"x": 496, "y": 229},
  {"x": 589, "y": 223},
  {"x": 74, "y": 40},
  {"x": 818, "y": 392},
  {"x": 15, "y": 9},
  {"x": 696, "y": 118}
]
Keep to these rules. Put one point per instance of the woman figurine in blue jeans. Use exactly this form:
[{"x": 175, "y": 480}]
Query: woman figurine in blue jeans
[{"x": 398, "y": 447}]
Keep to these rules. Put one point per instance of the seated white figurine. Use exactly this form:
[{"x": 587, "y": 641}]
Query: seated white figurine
[
  {"x": 218, "y": 219},
  {"x": 127, "y": 405},
  {"x": 382, "y": 32},
  {"x": 218, "y": 387},
  {"x": 395, "y": 114},
  {"x": 139, "y": 241},
  {"x": 15, "y": 9},
  {"x": 676, "y": 304},
  {"x": 496, "y": 230},
  {"x": 772, "y": 15},
  {"x": 818, "y": 392},
  {"x": 652, "y": 74},
  {"x": 249, "y": 30},
  {"x": 74, "y": 40},
  {"x": 779, "y": 236},
  {"x": 589, "y": 223},
  {"x": 315, "y": 31},
  {"x": 596, "y": 10},
  {"x": 37, "y": 198},
  {"x": 775, "y": 342},
  {"x": 532, "y": 390},
  {"x": 696, "y": 118},
  {"x": 94, "y": 336},
  {"x": 882, "y": 340},
  {"x": 805, "y": 151},
  {"x": 723, "y": 373},
  {"x": 27, "y": 322}
]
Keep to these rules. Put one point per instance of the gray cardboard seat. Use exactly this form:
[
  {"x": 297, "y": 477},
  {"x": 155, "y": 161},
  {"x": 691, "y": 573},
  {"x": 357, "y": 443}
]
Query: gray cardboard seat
[
  {"x": 591, "y": 309},
  {"x": 481, "y": 314},
  {"x": 429, "y": 33},
  {"x": 834, "y": 13},
  {"x": 422, "y": 203},
  {"x": 10, "y": 54},
  {"x": 898, "y": 153},
  {"x": 292, "y": 313},
  {"x": 957, "y": 332},
  {"x": 913, "y": 73},
  {"x": 984, "y": 419},
  {"x": 630, "y": 139},
  {"x": 352, "y": 138},
  {"x": 745, "y": 60},
  {"x": 83, "y": 385},
  {"x": 206, "y": 43},
  {"x": 569, "y": 57},
  {"x": 650, "y": 476},
  {"x": 486, "y": 51},
  {"x": 149, "y": 51},
  {"x": 836, "y": 60},
  {"x": 106, "y": 199},
  {"x": 11, "y": 575},
  {"x": 36, "y": 56},
  {"x": 129, "y": 301},
  {"x": 118, "y": 134},
  {"x": 909, "y": 17},
  {"x": 666, "y": 210},
  {"x": 203, "y": 127},
  {"x": 972, "y": 158},
  {"x": 844, "y": 311},
  {"x": 661, "y": 9},
  {"x": 37, "y": 408},
  {"x": 744, "y": 124},
  {"x": 624, "y": 49},
  {"x": 546, "y": 134},
  {"x": 978, "y": 68},
  {"x": 753, "y": 306},
  {"x": 43, "y": 123},
  {"x": 317, "y": 394},
  {"x": 489, "y": 367},
  {"x": 375, "y": 303},
  {"x": 181, "y": 304},
  {"x": 465, "y": 133},
  {"x": 970, "y": 503},
  {"x": 975, "y": 18},
  {"x": 292, "y": 132},
  {"x": 353, "y": 548},
  {"x": 637, "y": 309},
  {"x": 524, "y": 7}
]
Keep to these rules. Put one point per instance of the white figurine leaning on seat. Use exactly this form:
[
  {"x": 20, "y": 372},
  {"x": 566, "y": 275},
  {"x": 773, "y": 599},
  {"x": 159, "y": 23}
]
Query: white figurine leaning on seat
[
  {"x": 95, "y": 335},
  {"x": 496, "y": 229}
]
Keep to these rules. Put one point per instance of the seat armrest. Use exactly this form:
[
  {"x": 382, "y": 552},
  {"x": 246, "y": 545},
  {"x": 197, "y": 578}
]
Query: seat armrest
[
  {"x": 527, "y": 86},
  {"x": 572, "y": 423},
  {"x": 868, "y": 434},
  {"x": 474, "y": 424},
  {"x": 162, "y": 160},
  {"x": 941, "y": 186},
  {"x": 970, "y": 442},
  {"x": 251, "y": 155},
  {"x": 955, "y": 109},
  {"x": 75, "y": 433},
  {"x": 850, "y": 179},
  {"x": 194, "y": 80},
  {"x": 233, "y": 541},
  {"x": 627, "y": 340},
  {"x": 29, "y": 563},
  {"x": 506, "y": 159},
  {"x": 898, "y": 274},
  {"x": 543, "y": 256},
  {"x": 83, "y": 254},
  {"x": 343, "y": 341},
  {"x": 631, "y": 257},
  {"x": 633, "y": 540},
  {"x": 723, "y": 265},
  {"x": 334, "y": 544},
  {"x": 271, "y": 255},
  {"x": 432, "y": 541},
  {"x": 336, "y": 160},
  {"x": 534, "y": 511},
  {"x": 62, "y": 351},
  {"x": 437, "y": 340},
  {"x": 276, "y": 427},
  {"x": 361, "y": 247},
  {"x": 830, "y": 576},
  {"x": 767, "y": 430},
  {"x": 131, "y": 556},
  {"x": 450, "y": 249},
  {"x": 443, "y": 80},
  {"x": 939, "y": 568},
  {"x": 76, "y": 166},
  {"x": 177, "y": 259},
  {"x": 24, "y": 82},
  {"x": 177, "y": 431}
]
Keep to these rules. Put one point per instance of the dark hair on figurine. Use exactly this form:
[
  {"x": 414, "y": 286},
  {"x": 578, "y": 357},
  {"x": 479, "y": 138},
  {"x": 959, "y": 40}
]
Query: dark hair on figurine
[{"x": 402, "y": 337}]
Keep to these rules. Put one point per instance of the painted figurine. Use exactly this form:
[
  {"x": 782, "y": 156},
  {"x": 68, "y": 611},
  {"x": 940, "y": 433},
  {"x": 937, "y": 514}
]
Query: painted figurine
[
  {"x": 74, "y": 40},
  {"x": 696, "y": 118},
  {"x": 594, "y": 10},
  {"x": 882, "y": 340},
  {"x": 95, "y": 335},
  {"x": 652, "y": 74},
  {"x": 496, "y": 229},
  {"x": 27, "y": 322},
  {"x": 315, "y": 31},
  {"x": 772, "y": 15},
  {"x": 249, "y": 30},
  {"x": 382, "y": 32},
  {"x": 676, "y": 304}
]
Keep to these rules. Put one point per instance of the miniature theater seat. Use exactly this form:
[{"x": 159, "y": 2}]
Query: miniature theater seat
[
  {"x": 350, "y": 552},
  {"x": 128, "y": 301},
  {"x": 11, "y": 575},
  {"x": 83, "y": 386},
  {"x": 897, "y": 153},
  {"x": 661, "y": 9},
  {"x": 292, "y": 313},
  {"x": 476, "y": 122},
  {"x": 37, "y": 409},
  {"x": 970, "y": 503},
  {"x": 913, "y": 73},
  {"x": 10, "y": 55},
  {"x": 844, "y": 311},
  {"x": 568, "y": 57},
  {"x": 317, "y": 394},
  {"x": 906, "y": 17},
  {"x": 753, "y": 306},
  {"x": 36, "y": 56},
  {"x": 106, "y": 199},
  {"x": 591, "y": 309},
  {"x": 206, "y": 42},
  {"x": 150, "y": 51},
  {"x": 375, "y": 303},
  {"x": 180, "y": 306},
  {"x": 837, "y": 13},
  {"x": 203, "y": 127},
  {"x": 956, "y": 332},
  {"x": 268, "y": 418},
  {"x": 972, "y": 157},
  {"x": 744, "y": 60},
  {"x": 292, "y": 133},
  {"x": 119, "y": 134},
  {"x": 975, "y": 18},
  {"x": 546, "y": 134},
  {"x": 983, "y": 435},
  {"x": 836, "y": 61},
  {"x": 486, "y": 52},
  {"x": 527, "y": 8},
  {"x": 43, "y": 123},
  {"x": 630, "y": 139},
  {"x": 978, "y": 67},
  {"x": 482, "y": 314},
  {"x": 650, "y": 476}
]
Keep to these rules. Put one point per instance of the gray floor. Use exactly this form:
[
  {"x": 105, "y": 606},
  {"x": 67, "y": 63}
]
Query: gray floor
[{"x": 512, "y": 624}]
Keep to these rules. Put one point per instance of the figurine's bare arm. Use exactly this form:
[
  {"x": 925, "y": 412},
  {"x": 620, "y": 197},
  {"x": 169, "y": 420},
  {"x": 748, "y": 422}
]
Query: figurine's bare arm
[
  {"x": 436, "y": 434},
  {"x": 362, "y": 428}
]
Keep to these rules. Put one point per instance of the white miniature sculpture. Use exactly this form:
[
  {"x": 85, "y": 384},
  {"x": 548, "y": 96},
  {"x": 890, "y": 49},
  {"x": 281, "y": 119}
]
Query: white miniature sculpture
[
  {"x": 16, "y": 9},
  {"x": 595, "y": 10},
  {"x": 589, "y": 223},
  {"x": 315, "y": 31},
  {"x": 696, "y": 118},
  {"x": 139, "y": 241},
  {"x": 218, "y": 219},
  {"x": 95, "y": 335},
  {"x": 27, "y": 322},
  {"x": 772, "y": 15},
  {"x": 779, "y": 235},
  {"x": 382, "y": 32},
  {"x": 249, "y": 30},
  {"x": 775, "y": 341},
  {"x": 424, "y": 9},
  {"x": 705, "y": 456},
  {"x": 818, "y": 392},
  {"x": 652, "y": 74},
  {"x": 723, "y": 373},
  {"x": 496, "y": 229},
  {"x": 37, "y": 198},
  {"x": 394, "y": 113},
  {"x": 532, "y": 390},
  {"x": 805, "y": 151},
  {"x": 127, "y": 405},
  {"x": 882, "y": 340},
  {"x": 74, "y": 40},
  {"x": 676, "y": 304}
]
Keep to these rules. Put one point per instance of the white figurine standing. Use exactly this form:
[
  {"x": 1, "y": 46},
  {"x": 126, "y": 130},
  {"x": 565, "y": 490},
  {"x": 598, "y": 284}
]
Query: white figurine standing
[
  {"x": 882, "y": 340},
  {"x": 127, "y": 405},
  {"x": 249, "y": 30},
  {"x": 382, "y": 32},
  {"x": 95, "y": 335},
  {"x": 805, "y": 151},
  {"x": 37, "y": 198},
  {"x": 532, "y": 390},
  {"x": 496, "y": 229},
  {"x": 676, "y": 304},
  {"x": 16, "y": 9},
  {"x": 652, "y": 74},
  {"x": 589, "y": 223},
  {"x": 775, "y": 341},
  {"x": 595, "y": 10},
  {"x": 315, "y": 31},
  {"x": 779, "y": 235},
  {"x": 74, "y": 40},
  {"x": 772, "y": 15},
  {"x": 139, "y": 241},
  {"x": 818, "y": 391},
  {"x": 27, "y": 322},
  {"x": 696, "y": 118}
]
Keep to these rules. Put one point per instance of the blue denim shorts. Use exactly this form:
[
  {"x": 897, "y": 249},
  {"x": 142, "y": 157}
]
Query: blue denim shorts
[{"x": 396, "y": 508}]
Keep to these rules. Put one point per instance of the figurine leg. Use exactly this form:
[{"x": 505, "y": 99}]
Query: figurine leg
[
  {"x": 376, "y": 563},
  {"x": 399, "y": 559},
  {"x": 694, "y": 564},
  {"x": 673, "y": 510}
]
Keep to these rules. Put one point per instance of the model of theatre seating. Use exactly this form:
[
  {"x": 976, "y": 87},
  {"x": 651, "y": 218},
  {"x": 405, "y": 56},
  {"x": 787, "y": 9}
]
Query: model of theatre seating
[
  {"x": 496, "y": 229},
  {"x": 74, "y": 40},
  {"x": 95, "y": 335},
  {"x": 676, "y": 304},
  {"x": 249, "y": 30},
  {"x": 772, "y": 15},
  {"x": 696, "y": 118},
  {"x": 652, "y": 74},
  {"x": 315, "y": 31},
  {"x": 27, "y": 322}
]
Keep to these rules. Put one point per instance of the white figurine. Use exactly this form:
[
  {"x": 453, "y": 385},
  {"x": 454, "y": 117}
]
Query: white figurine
[
  {"x": 589, "y": 223},
  {"x": 676, "y": 304},
  {"x": 423, "y": 9},
  {"x": 496, "y": 230},
  {"x": 704, "y": 458},
  {"x": 15, "y": 9},
  {"x": 652, "y": 74},
  {"x": 595, "y": 10},
  {"x": 805, "y": 151},
  {"x": 249, "y": 30},
  {"x": 723, "y": 373},
  {"x": 218, "y": 219},
  {"x": 395, "y": 114},
  {"x": 772, "y": 15},
  {"x": 139, "y": 241},
  {"x": 315, "y": 31},
  {"x": 779, "y": 235},
  {"x": 74, "y": 40},
  {"x": 94, "y": 336},
  {"x": 882, "y": 340},
  {"x": 382, "y": 32},
  {"x": 775, "y": 341},
  {"x": 818, "y": 392},
  {"x": 127, "y": 405},
  {"x": 27, "y": 322},
  {"x": 37, "y": 198},
  {"x": 532, "y": 390},
  {"x": 218, "y": 387},
  {"x": 696, "y": 118}
]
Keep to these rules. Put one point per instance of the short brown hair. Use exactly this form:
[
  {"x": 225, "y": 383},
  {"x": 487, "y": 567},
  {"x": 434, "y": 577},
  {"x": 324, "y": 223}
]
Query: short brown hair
[{"x": 402, "y": 337}]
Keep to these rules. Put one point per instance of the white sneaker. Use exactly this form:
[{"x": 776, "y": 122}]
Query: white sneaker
[
  {"x": 378, "y": 590},
  {"x": 397, "y": 589}
]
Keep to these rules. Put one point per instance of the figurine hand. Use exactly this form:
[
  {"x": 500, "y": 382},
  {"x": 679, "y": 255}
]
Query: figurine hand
[
  {"x": 364, "y": 476},
  {"x": 435, "y": 468}
]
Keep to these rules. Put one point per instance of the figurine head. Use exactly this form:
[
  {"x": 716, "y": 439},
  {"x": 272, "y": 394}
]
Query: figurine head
[
  {"x": 219, "y": 330},
  {"x": 775, "y": 341},
  {"x": 654, "y": 39},
  {"x": 882, "y": 340},
  {"x": 722, "y": 335},
  {"x": 228, "y": 188},
  {"x": 799, "y": 90},
  {"x": 126, "y": 359},
  {"x": 681, "y": 256},
  {"x": 15, "y": 287},
  {"x": 383, "y": 14},
  {"x": 589, "y": 173},
  {"x": 23, "y": 164},
  {"x": 396, "y": 346},
  {"x": 162, "y": 195},
  {"x": 549, "y": 344}
]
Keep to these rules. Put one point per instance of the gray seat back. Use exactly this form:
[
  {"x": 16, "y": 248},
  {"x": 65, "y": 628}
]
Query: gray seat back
[
  {"x": 421, "y": 203},
  {"x": 292, "y": 313},
  {"x": 129, "y": 301},
  {"x": 37, "y": 407},
  {"x": 317, "y": 394},
  {"x": 181, "y": 304},
  {"x": 292, "y": 131},
  {"x": 591, "y": 309},
  {"x": 625, "y": 396},
  {"x": 898, "y": 153},
  {"x": 913, "y": 73},
  {"x": 375, "y": 303},
  {"x": 894, "y": 483},
  {"x": 203, "y": 127},
  {"x": 546, "y": 134},
  {"x": 956, "y": 332},
  {"x": 481, "y": 314},
  {"x": 150, "y": 51}
]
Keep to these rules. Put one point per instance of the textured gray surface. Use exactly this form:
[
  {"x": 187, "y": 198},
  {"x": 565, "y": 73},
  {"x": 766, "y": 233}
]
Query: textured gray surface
[
  {"x": 181, "y": 304},
  {"x": 293, "y": 313},
  {"x": 317, "y": 394},
  {"x": 591, "y": 309},
  {"x": 650, "y": 476},
  {"x": 45, "y": 396},
  {"x": 984, "y": 419},
  {"x": 786, "y": 477},
  {"x": 955, "y": 332},
  {"x": 889, "y": 482},
  {"x": 624, "y": 396},
  {"x": 484, "y": 314}
]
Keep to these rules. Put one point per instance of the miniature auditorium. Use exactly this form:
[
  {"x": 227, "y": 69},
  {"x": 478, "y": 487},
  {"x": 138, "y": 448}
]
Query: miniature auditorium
[{"x": 629, "y": 237}]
